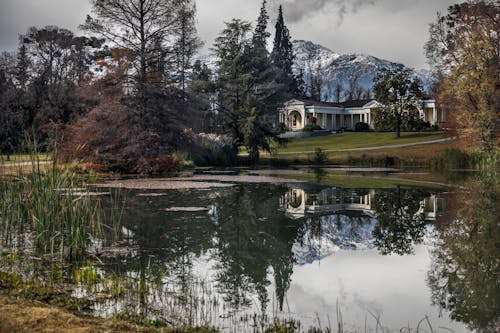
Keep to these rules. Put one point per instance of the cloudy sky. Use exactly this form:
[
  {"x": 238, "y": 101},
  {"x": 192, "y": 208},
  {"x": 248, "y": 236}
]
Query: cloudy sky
[{"x": 395, "y": 30}]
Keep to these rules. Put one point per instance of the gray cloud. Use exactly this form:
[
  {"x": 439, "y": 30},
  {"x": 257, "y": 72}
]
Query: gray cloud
[
  {"x": 297, "y": 10},
  {"x": 391, "y": 29}
]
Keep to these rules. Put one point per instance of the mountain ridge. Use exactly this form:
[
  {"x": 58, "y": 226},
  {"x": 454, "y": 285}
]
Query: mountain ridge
[{"x": 345, "y": 76}]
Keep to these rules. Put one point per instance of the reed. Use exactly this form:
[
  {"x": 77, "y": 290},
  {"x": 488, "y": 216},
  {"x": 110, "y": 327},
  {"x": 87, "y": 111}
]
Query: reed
[{"x": 53, "y": 202}]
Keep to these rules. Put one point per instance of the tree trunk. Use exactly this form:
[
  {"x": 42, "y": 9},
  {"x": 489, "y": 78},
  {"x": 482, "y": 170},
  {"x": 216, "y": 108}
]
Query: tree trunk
[
  {"x": 398, "y": 126},
  {"x": 253, "y": 155}
]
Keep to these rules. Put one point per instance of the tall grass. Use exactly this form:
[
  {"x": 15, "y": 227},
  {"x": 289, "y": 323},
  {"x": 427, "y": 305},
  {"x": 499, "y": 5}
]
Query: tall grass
[
  {"x": 49, "y": 202},
  {"x": 456, "y": 159}
]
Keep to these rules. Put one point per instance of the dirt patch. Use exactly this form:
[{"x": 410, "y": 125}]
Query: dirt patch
[{"x": 18, "y": 315}]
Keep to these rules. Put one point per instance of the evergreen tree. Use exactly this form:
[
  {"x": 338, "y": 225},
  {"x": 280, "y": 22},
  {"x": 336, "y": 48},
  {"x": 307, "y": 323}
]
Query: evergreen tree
[
  {"x": 22, "y": 67},
  {"x": 246, "y": 87},
  {"x": 202, "y": 85},
  {"x": 282, "y": 55},
  {"x": 261, "y": 35},
  {"x": 301, "y": 84}
]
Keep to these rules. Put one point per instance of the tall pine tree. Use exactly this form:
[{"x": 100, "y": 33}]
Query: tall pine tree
[
  {"x": 282, "y": 55},
  {"x": 247, "y": 91},
  {"x": 261, "y": 35}
]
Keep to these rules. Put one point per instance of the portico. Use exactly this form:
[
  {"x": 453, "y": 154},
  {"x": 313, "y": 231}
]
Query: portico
[{"x": 298, "y": 113}]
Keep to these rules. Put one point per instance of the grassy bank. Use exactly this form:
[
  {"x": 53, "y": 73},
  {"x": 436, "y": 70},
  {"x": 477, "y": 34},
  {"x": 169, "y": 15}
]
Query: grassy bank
[
  {"x": 302, "y": 151},
  {"x": 357, "y": 140},
  {"x": 30, "y": 306},
  {"x": 419, "y": 156}
]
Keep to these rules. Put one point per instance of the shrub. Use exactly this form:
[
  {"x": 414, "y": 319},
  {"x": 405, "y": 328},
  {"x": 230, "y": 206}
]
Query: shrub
[
  {"x": 319, "y": 156},
  {"x": 452, "y": 159},
  {"x": 183, "y": 159},
  {"x": 311, "y": 127},
  {"x": 165, "y": 163},
  {"x": 214, "y": 150},
  {"x": 362, "y": 127}
]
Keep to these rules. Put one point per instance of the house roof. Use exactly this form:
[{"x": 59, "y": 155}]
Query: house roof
[
  {"x": 346, "y": 105},
  {"x": 356, "y": 104},
  {"x": 310, "y": 102}
]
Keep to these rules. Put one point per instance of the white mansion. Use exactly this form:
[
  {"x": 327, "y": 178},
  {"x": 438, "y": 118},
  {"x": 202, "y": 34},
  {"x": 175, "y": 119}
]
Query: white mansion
[{"x": 297, "y": 113}]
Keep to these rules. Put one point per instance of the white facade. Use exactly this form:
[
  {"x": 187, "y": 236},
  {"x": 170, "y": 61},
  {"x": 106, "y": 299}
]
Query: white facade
[
  {"x": 297, "y": 203},
  {"x": 296, "y": 114}
]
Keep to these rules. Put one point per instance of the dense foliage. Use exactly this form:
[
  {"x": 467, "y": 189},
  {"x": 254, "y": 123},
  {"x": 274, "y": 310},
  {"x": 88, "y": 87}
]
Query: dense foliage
[
  {"x": 400, "y": 95},
  {"x": 133, "y": 96},
  {"x": 463, "y": 48}
]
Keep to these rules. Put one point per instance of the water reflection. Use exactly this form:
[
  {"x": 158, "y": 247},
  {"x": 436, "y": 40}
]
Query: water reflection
[
  {"x": 465, "y": 271},
  {"x": 240, "y": 254},
  {"x": 254, "y": 236}
]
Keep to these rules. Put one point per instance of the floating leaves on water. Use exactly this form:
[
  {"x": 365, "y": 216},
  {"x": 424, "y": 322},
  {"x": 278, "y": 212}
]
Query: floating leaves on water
[
  {"x": 162, "y": 184},
  {"x": 151, "y": 194},
  {"x": 186, "y": 209}
]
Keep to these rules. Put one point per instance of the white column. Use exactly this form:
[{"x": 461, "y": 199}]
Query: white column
[
  {"x": 334, "y": 121},
  {"x": 352, "y": 121},
  {"x": 323, "y": 120},
  {"x": 434, "y": 115},
  {"x": 369, "y": 119}
]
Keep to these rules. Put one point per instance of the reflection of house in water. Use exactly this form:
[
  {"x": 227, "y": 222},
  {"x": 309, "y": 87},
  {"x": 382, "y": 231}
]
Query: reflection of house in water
[
  {"x": 433, "y": 207},
  {"x": 298, "y": 203}
]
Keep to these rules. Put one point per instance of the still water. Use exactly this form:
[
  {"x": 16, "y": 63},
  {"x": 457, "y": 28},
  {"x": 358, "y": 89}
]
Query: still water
[{"x": 366, "y": 260}]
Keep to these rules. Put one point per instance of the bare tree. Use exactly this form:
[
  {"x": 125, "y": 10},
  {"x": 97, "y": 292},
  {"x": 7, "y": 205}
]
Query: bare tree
[
  {"x": 136, "y": 25},
  {"x": 187, "y": 42},
  {"x": 337, "y": 92},
  {"x": 353, "y": 91},
  {"x": 316, "y": 84}
]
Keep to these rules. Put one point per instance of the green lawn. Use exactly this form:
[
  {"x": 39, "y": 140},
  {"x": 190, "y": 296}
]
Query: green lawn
[{"x": 356, "y": 140}]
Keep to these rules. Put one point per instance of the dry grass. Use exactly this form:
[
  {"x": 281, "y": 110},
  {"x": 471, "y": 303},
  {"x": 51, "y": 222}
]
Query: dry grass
[{"x": 17, "y": 315}]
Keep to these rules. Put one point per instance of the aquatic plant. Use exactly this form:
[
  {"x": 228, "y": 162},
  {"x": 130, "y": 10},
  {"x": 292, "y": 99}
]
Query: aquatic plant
[{"x": 53, "y": 203}]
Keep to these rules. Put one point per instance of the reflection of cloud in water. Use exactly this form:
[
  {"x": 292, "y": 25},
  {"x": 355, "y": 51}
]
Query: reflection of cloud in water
[{"x": 363, "y": 282}]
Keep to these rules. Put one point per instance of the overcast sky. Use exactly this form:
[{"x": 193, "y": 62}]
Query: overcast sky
[{"x": 395, "y": 30}]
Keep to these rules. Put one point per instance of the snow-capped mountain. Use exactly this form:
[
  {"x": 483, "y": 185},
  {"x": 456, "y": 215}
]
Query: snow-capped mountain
[
  {"x": 332, "y": 233},
  {"x": 342, "y": 74}
]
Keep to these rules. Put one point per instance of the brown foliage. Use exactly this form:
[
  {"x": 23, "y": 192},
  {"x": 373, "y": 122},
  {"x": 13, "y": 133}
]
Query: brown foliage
[
  {"x": 465, "y": 49},
  {"x": 128, "y": 133}
]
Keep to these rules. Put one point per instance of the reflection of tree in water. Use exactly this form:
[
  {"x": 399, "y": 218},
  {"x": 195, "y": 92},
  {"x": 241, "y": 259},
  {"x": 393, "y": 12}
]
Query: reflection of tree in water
[
  {"x": 401, "y": 222},
  {"x": 464, "y": 276},
  {"x": 254, "y": 236},
  {"x": 168, "y": 243}
]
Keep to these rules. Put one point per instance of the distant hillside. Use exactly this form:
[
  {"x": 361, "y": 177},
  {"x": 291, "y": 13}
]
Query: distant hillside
[{"x": 342, "y": 74}]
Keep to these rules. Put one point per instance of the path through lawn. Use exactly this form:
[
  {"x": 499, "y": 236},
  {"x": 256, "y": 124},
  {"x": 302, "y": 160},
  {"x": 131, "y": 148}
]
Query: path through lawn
[{"x": 352, "y": 141}]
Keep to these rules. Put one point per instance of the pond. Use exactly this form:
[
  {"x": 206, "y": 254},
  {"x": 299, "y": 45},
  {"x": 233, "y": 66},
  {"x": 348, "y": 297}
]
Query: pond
[{"x": 241, "y": 257}]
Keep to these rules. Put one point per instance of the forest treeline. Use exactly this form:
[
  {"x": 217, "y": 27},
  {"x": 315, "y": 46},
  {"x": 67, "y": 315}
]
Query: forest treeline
[{"x": 131, "y": 93}]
